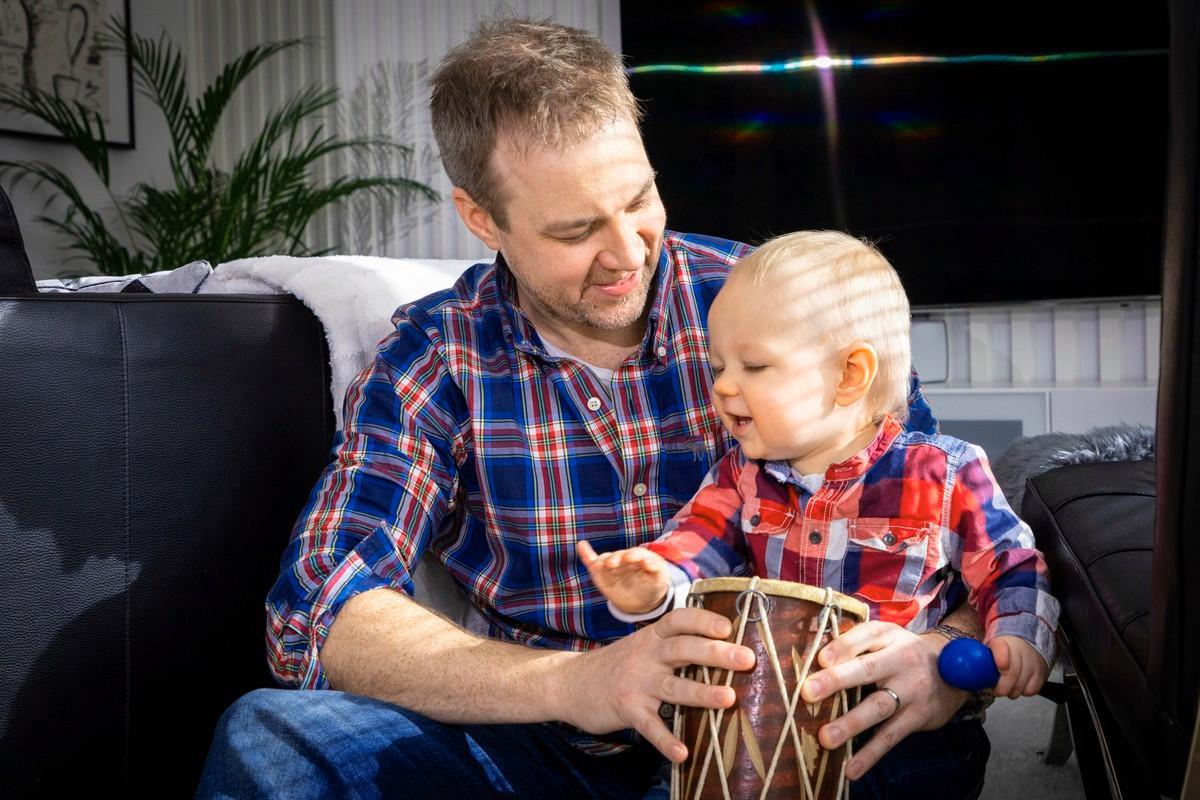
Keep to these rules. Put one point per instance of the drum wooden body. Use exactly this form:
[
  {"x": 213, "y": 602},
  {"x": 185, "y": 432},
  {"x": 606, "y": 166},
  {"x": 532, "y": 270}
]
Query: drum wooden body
[{"x": 751, "y": 749}]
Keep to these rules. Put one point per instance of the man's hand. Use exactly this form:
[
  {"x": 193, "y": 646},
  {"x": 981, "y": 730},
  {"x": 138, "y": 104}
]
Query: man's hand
[
  {"x": 1022, "y": 668},
  {"x": 888, "y": 656},
  {"x": 634, "y": 580},
  {"x": 623, "y": 684}
]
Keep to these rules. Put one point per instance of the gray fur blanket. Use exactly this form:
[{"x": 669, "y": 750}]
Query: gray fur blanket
[{"x": 1034, "y": 455}]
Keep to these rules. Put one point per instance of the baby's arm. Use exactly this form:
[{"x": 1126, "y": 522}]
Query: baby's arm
[
  {"x": 702, "y": 540},
  {"x": 1006, "y": 574},
  {"x": 634, "y": 581},
  {"x": 1023, "y": 669}
]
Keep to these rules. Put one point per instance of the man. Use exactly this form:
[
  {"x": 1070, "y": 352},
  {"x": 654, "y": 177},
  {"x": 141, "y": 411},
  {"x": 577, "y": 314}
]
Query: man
[{"x": 558, "y": 394}]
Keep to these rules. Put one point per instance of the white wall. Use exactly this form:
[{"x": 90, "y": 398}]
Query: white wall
[{"x": 148, "y": 160}]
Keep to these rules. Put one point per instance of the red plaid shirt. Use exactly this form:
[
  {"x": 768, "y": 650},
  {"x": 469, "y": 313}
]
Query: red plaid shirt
[{"x": 905, "y": 526}]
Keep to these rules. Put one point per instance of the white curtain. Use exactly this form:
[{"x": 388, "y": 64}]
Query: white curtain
[{"x": 380, "y": 53}]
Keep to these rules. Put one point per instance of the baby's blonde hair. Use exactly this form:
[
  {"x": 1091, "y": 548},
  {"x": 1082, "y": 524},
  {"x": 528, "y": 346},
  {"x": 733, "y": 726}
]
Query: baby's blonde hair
[{"x": 841, "y": 290}]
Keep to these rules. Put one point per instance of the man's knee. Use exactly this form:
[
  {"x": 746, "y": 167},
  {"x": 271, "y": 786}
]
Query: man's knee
[
  {"x": 301, "y": 743},
  {"x": 255, "y": 710},
  {"x": 299, "y": 714}
]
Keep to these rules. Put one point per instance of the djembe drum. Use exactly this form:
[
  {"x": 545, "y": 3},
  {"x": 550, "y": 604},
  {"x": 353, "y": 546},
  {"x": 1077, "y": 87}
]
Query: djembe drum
[{"x": 765, "y": 745}]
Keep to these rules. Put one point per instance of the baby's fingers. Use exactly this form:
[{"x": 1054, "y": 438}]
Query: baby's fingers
[
  {"x": 645, "y": 560},
  {"x": 586, "y": 553},
  {"x": 1037, "y": 678},
  {"x": 599, "y": 565},
  {"x": 1018, "y": 675},
  {"x": 1001, "y": 653}
]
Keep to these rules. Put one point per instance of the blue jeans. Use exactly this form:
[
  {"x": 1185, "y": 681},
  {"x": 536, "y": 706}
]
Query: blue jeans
[
  {"x": 326, "y": 744},
  {"x": 946, "y": 764}
]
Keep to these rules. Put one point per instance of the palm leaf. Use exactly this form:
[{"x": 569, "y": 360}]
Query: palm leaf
[
  {"x": 262, "y": 205},
  {"x": 83, "y": 230},
  {"x": 212, "y": 103},
  {"x": 80, "y": 126},
  {"x": 161, "y": 75}
]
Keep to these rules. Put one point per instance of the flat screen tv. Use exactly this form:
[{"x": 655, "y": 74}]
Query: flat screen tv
[{"x": 996, "y": 152}]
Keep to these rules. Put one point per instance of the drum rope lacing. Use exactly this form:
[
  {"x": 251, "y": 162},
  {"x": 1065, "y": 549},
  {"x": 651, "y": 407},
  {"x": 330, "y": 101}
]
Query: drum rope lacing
[{"x": 714, "y": 717}]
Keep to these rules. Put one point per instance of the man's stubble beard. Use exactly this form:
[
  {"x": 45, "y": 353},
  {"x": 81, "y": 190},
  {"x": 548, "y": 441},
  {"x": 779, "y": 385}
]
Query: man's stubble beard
[
  {"x": 620, "y": 315},
  {"x": 582, "y": 312}
]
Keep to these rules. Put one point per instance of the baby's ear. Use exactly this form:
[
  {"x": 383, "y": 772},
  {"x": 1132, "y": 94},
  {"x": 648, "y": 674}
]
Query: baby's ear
[{"x": 859, "y": 366}]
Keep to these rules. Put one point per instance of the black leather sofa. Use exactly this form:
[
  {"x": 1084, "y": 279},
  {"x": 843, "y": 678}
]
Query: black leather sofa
[
  {"x": 155, "y": 449},
  {"x": 154, "y": 453},
  {"x": 1123, "y": 540}
]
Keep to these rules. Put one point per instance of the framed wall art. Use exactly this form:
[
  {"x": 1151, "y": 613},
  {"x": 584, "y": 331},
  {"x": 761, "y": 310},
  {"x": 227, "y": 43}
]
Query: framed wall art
[{"x": 57, "y": 46}]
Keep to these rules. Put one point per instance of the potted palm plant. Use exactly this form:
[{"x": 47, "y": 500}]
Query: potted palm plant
[{"x": 260, "y": 206}]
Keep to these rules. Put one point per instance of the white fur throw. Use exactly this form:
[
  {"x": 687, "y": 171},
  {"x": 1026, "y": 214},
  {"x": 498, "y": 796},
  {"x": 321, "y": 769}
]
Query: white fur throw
[
  {"x": 1033, "y": 455},
  {"x": 353, "y": 296}
]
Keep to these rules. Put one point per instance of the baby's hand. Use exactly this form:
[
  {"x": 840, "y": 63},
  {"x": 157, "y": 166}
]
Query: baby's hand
[
  {"x": 633, "y": 580},
  {"x": 1022, "y": 668}
]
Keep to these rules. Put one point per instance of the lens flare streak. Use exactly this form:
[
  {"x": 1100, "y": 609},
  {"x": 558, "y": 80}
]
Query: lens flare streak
[{"x": 824, "y": 62}]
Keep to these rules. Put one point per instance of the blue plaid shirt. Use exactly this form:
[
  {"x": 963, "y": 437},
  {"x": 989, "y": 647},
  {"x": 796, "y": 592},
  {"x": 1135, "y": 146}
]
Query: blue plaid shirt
[{"x": 466, "y": 438}]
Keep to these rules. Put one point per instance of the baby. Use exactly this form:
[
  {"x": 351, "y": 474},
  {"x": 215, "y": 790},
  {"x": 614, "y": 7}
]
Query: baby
[{"x": 809, "y": 347}]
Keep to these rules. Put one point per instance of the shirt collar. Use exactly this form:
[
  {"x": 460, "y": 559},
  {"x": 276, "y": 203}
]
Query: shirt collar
[
  {"x": 520, "y": 331},
  {"x": 516, "y": 326},
  {"x": 853, "y": 467}
]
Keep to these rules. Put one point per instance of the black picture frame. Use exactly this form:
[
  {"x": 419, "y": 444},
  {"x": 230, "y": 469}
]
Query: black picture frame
[{"x": 59, "y": 30}]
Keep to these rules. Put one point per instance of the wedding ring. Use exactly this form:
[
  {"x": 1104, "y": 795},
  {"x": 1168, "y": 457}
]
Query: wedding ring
[
  {"x": 666, "y": 711},
  {"x": 895, "y": 698}
]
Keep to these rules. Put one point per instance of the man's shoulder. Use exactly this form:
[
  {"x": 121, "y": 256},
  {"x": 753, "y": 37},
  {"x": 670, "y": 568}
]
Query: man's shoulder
[
  {"x": 467, "y": 313},
  {"x": 698, "y": 251},
  {"x": 701, "y": 264},
  {"x": 471, "y": 290}
]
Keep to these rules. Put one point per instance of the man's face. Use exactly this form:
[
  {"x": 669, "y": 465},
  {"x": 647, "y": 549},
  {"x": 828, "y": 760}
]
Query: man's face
[{"x": 585, "y": 226}]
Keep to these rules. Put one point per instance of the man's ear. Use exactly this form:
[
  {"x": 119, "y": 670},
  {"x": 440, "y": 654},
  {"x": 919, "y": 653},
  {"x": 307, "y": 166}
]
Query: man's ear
[
  {"x": 859, "y": 366},
  {"x": 477, "y": 220}
]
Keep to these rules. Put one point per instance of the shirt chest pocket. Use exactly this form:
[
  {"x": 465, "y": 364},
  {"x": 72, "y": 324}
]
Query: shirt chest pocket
[
  {"x": 767, "y": 517},
  {"x": 892, "y": 556}
]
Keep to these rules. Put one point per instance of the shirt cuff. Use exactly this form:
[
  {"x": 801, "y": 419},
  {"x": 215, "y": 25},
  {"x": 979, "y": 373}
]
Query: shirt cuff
[
  {"x": 678, "y": 583},
  {"x": 1029, "y": 627}
]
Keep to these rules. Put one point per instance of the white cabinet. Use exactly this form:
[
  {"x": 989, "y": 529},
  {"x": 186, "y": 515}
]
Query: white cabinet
[
  {"x": 1022, "y": 370},
  {"x": 1078, "y": 409},
  {"x": 994, "y": 416}
]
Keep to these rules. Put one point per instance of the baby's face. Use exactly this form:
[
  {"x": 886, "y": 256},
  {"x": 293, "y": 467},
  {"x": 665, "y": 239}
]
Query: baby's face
[{"x": 772, "y": 385}]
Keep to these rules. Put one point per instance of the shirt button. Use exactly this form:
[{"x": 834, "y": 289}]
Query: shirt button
[
  {"x": 639, "y": 489},
  {"x": 815, "y": 537},
  {"x": 662, "y": 351},
  {"x": 889, "y": 538},
  {"x": 755, "y": 519},
  {"x": 593, "y": 404}
]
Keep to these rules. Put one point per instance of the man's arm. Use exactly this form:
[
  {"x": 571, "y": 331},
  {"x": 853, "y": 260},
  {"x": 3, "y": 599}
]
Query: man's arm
[
  {"x": 390, "y": 487},
  {"x": 384, "y": 645}
]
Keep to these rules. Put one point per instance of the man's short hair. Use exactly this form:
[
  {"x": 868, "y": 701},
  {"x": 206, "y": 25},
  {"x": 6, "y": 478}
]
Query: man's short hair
[
  {"x": 548, "y": 84},
  {"x": 841, "y": 290}
]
